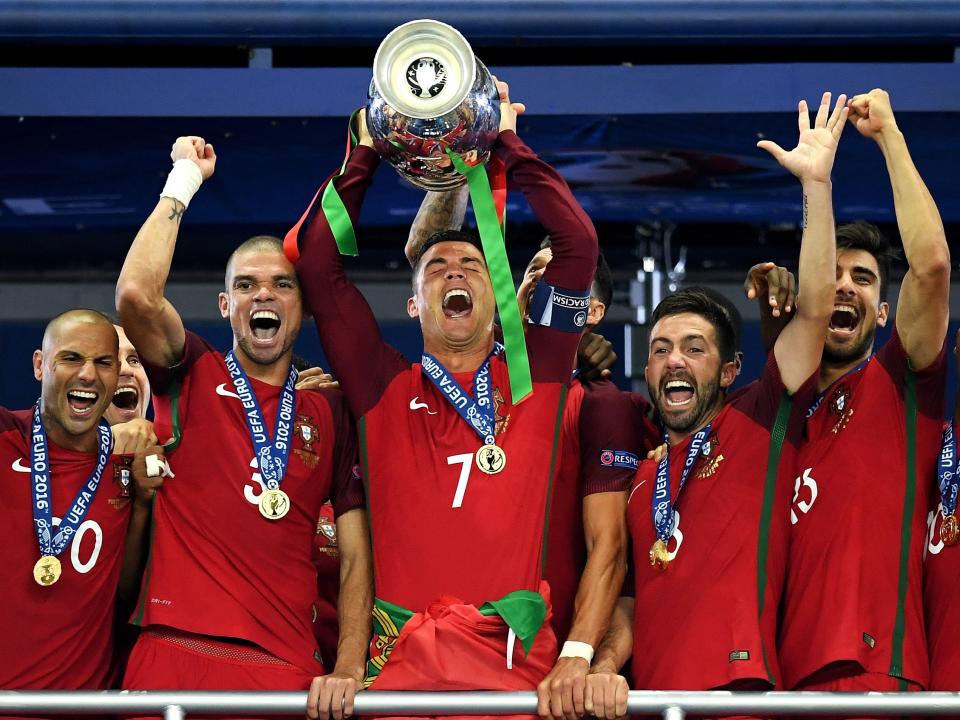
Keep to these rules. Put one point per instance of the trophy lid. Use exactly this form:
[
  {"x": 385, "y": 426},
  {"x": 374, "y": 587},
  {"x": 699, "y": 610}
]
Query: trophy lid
[{"x": 424, "y": 68}]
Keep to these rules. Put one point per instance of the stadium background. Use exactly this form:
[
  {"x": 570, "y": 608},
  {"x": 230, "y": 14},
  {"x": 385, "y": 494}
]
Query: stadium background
[{"x": 650, "y": 109}]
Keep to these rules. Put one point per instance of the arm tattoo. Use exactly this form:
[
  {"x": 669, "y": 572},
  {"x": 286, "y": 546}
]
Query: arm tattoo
[
  {"x": 805, "y": 208},
  {"x": 176, "y": 210},
  {"x": 438, "y": 211}
]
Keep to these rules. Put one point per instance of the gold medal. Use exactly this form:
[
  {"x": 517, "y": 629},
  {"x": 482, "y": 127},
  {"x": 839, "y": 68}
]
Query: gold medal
[
  {"x": 659, "y": 557},
  {"x": 950, "y": 530},
  {"x": 491, "y": 459},
  {"x": 47, "y": 570},
  {"x": 274, "y": 504}
]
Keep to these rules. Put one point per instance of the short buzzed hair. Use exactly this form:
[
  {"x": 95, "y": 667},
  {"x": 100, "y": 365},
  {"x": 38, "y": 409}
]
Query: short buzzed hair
[
  {"x": 258, "y": 243},
  {"x": 84, "y": 315}
]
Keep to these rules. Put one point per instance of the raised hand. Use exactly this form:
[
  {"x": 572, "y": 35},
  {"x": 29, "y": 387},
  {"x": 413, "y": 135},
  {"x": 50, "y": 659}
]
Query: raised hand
[
  {"x": 871, "y": 113},
  {"x": 508, "y": 110},
  {"x": 812, "y": 159},
  {"x": 195, "y": 148}
]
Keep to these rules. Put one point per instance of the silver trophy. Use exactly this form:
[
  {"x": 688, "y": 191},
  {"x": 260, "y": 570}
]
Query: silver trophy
[{"x": 429, "y": 93}]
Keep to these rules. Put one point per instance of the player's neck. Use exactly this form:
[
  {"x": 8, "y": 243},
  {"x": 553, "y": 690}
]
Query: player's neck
[
  {"x": 831, "y": 371},
  {"x": 56, "y": 434},
  {"x": 676, "y": 437},
  {"x": 274, "y": 373},
  {"x": 459, "y": 360}
]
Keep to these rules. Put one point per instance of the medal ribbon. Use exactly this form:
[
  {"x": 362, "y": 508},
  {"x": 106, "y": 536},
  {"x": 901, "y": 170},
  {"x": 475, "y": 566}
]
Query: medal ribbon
[
  {"x": 491, "y": 238},
  {"x": 476, "y": 411},
  {"x": 40, "y": 474},
  {"x": 662, "y": 510},
  {"x": 271, "y": 457},
  {"x": 947, "y": 471}
]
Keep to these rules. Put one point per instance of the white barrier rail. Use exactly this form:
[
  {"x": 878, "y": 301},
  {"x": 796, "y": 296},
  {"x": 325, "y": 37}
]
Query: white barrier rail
[{"x": 670, "y": 705}]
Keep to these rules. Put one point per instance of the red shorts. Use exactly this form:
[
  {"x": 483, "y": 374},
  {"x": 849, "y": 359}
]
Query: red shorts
[
  {"x": 850, "y": 677},
  {"x": 169, "y": 659}
]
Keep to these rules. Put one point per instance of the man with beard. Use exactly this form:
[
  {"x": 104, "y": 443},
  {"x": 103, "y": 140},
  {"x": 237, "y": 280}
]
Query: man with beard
[
  {"x": 709, "y": 519},
  {"x": 605, "y": 432},
  {"x": 443, "y": 490},
  {"x": 226, "y": 601},
  {"x": 853, "y": 611},
  {"x": 62, "y": 563}
]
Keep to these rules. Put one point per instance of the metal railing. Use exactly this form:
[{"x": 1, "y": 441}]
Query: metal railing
[{"x": 673, "y": 705}]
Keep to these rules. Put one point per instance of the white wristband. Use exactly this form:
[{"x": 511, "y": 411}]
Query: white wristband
[
  {"x": 183, "y": 181},
  {"x": 572, "y": 648}
]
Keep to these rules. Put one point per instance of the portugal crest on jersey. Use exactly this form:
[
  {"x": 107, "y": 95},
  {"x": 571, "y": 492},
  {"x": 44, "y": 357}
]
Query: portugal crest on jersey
[
  {"x": 712, "y": 457},
  {"x": 123, "y": 479},
  {"x": 501, "y": 420},
  {"x": 840, "y": 407},
  {"x": 308, "y": 433}
]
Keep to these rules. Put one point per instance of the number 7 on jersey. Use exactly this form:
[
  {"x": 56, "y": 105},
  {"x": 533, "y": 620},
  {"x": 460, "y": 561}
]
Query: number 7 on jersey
[{"x": 466, "y": 461}]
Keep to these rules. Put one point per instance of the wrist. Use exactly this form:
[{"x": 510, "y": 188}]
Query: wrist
[
  {"x": 605, "y": 666},
  {"x": 183, "y": 182},
  {"x": 889, "y": 134},
  {"x": 576, "y": 649}
]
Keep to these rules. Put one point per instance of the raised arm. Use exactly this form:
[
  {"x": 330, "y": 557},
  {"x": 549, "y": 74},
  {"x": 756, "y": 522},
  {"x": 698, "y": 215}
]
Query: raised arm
[
  {"x": 799, "y": 347},
  {"x": 438, "y": 211},
  {"x": 351, "y": 339},
  {"x": 923, "y": 306},
  {"x": 149, "y": 319}
]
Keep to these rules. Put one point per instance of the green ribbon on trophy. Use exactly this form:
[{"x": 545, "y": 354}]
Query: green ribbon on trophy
[{"x": 491, "y": 238}]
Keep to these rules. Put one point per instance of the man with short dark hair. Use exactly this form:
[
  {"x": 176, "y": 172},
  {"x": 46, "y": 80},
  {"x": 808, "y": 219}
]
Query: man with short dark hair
[
  {"x": 226, "y": 602},
  {"x": 456, "y": 469},
  {"x": 853, "y": 608},
  {"x": 62, "y": 562},
  {"x": 709, "y": 518}
]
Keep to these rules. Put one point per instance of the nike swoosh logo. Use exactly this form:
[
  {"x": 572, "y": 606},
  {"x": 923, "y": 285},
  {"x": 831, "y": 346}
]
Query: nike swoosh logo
[
  {"x": 18, "y": 466},
  {"x": 635, "y": 488},
  {"x": 414, "y": 405},
  {"x": 222, "y": 390}
]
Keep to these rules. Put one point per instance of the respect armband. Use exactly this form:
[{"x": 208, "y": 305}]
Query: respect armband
[{"x": 558, "y": 308}]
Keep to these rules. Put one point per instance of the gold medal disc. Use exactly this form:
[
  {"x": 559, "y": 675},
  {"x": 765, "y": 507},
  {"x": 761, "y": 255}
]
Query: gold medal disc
[
  {"x": 47, "y": 570},
  {"x": 274, "y": 504},
  {"x": 659, "y": 557},
  {"x": 950, "y": 530},
  {"x": 491, "y": 459}
]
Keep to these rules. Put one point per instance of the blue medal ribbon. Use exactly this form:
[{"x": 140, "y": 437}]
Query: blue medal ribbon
[
  {"x": 662, "y": 508},
  {"x": 947, "y": 471},
  {"x": 271, "y": 457},
  {"x": 51, "y": 544},
  {"x": 476, "y": 411}
]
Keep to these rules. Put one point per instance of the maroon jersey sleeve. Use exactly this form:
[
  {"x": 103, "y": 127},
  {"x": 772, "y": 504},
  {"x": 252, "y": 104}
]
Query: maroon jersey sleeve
[
  {"x": 351, "y": 339},
  {"x": 760, "y": 400},
  {"x": 612, "y": 439},
  {"x": 163, "y": 378},
  {"x": 931, "y": 393},
  {"x": 346, "y": 489},
  {"x": 15, "y": 421},
  {"x": 574, "y": 243}
]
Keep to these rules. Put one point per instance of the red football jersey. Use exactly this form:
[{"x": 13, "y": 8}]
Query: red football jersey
[
  {"x": 326, "y": 560},
  {"x": 433, "y": 512},
  {"x": 941, "y": 598},
  {"x": 605, "y": 433},
  {"x": 217, "y": 567},
  {"x": 709, "y": 619},
  {"x": 859, "y": 521},
  {"x": 60, "y": 636}
]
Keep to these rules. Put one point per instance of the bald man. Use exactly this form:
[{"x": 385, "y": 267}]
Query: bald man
[{"x": 66, "y": 513}]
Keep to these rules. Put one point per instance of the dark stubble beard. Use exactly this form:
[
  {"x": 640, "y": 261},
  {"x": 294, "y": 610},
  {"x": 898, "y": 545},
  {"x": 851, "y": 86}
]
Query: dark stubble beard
[
  {"x": 709, "y": 398},
  {"x": 248, "y": 351},
  {"x": 842, "y": 356}
]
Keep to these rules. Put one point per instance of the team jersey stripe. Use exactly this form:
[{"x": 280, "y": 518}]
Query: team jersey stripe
[
  {"x": 365, "y": 471},
  {"x": 557, "y": 429},
  {"x": 777, "y": 436},
  {"x": 174, "y": 390},
  {"x": 896, "y": 651}
]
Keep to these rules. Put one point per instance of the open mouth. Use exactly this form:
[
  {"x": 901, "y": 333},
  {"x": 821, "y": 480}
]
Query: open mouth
[
  {"x": 126, "y": 398},
  {"x": 265, "y": 324},
  {"x": 82, "y": 402},
  {"x": 457, "y": 303},
  {"x": 678, "y": 393},
  {"x": 845, "y": 319}
]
